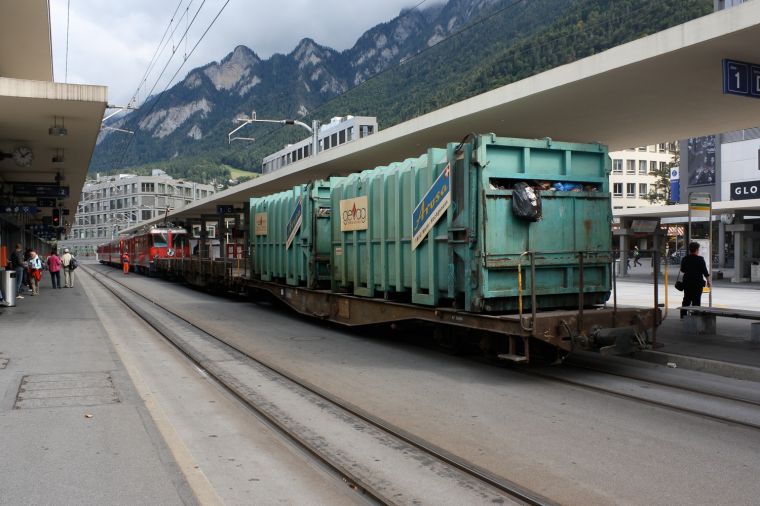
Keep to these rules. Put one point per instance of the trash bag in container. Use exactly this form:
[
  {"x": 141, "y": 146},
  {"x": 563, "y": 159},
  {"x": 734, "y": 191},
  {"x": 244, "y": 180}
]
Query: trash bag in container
[{"x": 526, "y": 202}]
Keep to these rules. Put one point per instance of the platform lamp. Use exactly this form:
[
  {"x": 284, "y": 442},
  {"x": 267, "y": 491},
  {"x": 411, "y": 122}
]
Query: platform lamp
[{"x": 58, "y": 130}]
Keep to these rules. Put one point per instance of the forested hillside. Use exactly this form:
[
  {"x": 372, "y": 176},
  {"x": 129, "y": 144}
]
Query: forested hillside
[{"x": 416, "y": 63}]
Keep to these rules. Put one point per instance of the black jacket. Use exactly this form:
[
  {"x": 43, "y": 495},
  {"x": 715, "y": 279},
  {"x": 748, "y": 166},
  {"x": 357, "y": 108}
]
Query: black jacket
[
  {"x": 694, "y": 270},
  {"x": 17, "y": 259}
]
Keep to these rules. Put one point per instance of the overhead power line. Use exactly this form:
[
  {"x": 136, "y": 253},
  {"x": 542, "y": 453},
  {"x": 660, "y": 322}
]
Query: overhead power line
[{"x": 157, "y": 100}]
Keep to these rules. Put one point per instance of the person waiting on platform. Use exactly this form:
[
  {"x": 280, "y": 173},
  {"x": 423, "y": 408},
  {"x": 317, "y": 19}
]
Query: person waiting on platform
[
  {"x": 54, "y": 266},
  {"x": 695, "y": 275},
  {"x": 17, "y": 264},
  {"x": 636, "y": 255},
  {"x": 69, "y": 264},
  {"x": 125, "y": 262},
  {"x": 35, "y": 272}
]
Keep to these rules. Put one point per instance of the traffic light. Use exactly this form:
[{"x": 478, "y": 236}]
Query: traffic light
[{"x": 56, "y": 217}]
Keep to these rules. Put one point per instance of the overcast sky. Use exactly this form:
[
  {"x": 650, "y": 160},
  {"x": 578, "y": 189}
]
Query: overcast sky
[{"x": 111, "y": 42}]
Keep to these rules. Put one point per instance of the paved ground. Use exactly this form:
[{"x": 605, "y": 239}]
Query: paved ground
[
  {"x": 72, "y": 428},
  {"x": 575, "y": 446}
]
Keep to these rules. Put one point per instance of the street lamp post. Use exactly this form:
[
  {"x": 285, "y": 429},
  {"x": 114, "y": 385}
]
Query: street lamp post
[{"x": 313, "y": 129}]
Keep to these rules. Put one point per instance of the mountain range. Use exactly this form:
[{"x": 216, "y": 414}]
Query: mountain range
[{"x": 419, "y": 61}]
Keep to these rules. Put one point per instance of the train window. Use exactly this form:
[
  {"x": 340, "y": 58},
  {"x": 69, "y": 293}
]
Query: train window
[
  {"x": 350, "y": 133},
  {"x": 159, "y": 239},
  {"x": 326, "y": 142},
  {"x": 334, "y": 139},
  {"x": 341, "y": 137}
]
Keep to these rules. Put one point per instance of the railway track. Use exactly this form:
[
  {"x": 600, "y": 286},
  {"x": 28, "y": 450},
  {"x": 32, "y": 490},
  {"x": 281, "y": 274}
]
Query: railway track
[
  {"x": 464, "y": 477},
  {"x": 673, "y": 395}
]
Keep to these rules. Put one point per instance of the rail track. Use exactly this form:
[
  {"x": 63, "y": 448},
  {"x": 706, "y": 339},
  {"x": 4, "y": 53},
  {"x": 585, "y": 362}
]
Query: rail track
[
  {"x": 726, "y": 407},
  {"x": 464, "y": 473}
]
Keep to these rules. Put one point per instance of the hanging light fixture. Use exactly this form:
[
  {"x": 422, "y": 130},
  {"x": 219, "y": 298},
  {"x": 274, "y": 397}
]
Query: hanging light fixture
[
  {"x": 57, "y": 130},
  {"x": 58, "y": 157}
]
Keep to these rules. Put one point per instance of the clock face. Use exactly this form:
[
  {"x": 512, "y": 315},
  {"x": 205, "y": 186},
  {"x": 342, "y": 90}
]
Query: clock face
[{"x": 23, "y": 156}]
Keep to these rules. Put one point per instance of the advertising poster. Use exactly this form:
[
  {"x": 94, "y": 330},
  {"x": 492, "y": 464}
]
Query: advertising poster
[{"x": 701, "y": 156}]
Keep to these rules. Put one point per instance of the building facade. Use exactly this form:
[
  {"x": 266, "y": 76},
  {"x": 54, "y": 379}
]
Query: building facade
[
  {"x": 340, "y": 130},
  {"x": 632, "y": 176},
  {"x": 110, "y": 204}
]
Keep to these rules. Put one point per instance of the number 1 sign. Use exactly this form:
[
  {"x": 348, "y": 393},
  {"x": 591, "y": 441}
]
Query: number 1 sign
[{"x": 741, "y": 78}]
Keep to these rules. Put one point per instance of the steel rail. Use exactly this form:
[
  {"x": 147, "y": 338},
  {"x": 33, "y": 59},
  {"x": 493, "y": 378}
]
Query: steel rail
[
  {"x": 664, "y": 383},
  {"x": 352, "y": 482},
  {"x": 644, "y": 400},
  {"x": 515, "y": 491}
]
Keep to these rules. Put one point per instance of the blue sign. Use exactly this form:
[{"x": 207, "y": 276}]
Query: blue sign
[
  {"x": 294, "y": 223},
  {"x": 45, "y": 202},
  {"x": 741, "y": 78},
  {"x": 18, "y": 209},
  {"x": 225, "y": 209},
  {"x": 40, "y": 190},
  {"x": 432, "y": 206}
]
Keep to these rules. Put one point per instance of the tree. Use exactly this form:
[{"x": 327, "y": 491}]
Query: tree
[{"x": 660, "y": 192}]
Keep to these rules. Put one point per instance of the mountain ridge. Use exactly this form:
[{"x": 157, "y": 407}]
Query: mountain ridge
[{"x": 188, "y": 123}]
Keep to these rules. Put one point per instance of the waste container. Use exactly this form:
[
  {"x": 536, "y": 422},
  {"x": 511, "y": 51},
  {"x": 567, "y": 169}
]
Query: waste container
[{"x": 8, "y": 285}]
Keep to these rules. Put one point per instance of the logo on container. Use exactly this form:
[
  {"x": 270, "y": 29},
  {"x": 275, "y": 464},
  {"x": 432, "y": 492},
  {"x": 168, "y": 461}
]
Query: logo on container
[{"x": 354, "y": 214}]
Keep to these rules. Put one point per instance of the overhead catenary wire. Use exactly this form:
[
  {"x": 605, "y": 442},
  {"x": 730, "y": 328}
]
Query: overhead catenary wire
[
  {"x": 66, "y": 64},
  {"x": 157, "y": 100},
  {"x": 159, "y": 49}
]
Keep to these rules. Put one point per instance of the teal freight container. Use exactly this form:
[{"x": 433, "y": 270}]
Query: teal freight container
[
  {"x": 440, "y": 229},
  {"x": 290, "y": 234}
]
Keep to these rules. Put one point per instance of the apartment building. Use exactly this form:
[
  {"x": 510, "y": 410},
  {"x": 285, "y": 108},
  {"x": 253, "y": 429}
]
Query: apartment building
[
  {"x": 633, "y": 176},
  {"x": 110, "y": 204}
]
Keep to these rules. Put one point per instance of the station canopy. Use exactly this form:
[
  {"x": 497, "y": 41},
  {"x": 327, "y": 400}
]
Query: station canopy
[{"x": 31, "y": 104}]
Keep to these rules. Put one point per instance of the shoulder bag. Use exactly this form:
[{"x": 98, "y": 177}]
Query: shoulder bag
[{"x": 679, "y": 283}]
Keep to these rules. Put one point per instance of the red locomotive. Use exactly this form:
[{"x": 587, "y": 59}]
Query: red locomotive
[{"x": 145, "y": 246}]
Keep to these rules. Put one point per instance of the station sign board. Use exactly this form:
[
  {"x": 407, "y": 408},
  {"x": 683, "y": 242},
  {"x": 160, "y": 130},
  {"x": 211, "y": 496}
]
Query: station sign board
[
  {"x": 745, "y": 190},
  {"x": 47, "y": 202},
  {"x": 18, "y": 209},
  {"x": 40, "y": 190},
  {"x": 741, "y": 78},
  {"x": 225, "y": 209}
]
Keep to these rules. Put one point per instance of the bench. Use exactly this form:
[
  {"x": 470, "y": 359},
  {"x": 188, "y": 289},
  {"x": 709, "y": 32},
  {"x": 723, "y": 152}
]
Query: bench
[{"x": 701, "y": 320}]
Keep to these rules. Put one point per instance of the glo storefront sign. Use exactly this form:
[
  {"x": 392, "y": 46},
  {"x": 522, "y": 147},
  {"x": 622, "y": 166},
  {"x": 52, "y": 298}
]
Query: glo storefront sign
[{"x": 745, "y": 190}]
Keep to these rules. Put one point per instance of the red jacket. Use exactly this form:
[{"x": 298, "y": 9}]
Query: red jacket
[{"x": 54, "y": 263}]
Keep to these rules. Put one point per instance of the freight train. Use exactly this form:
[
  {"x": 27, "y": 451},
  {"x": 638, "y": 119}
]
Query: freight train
[{"x": 505, "y": 241}]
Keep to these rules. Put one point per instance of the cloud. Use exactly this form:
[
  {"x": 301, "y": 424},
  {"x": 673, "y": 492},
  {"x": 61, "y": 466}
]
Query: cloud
[{"x": 111, "y": 43}]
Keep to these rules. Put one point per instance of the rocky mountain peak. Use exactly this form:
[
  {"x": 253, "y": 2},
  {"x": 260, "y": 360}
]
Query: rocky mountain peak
[{"x": 232, "y": 69}]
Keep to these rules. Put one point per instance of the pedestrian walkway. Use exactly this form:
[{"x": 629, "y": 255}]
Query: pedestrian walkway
[{"x": 72, "y": 428}]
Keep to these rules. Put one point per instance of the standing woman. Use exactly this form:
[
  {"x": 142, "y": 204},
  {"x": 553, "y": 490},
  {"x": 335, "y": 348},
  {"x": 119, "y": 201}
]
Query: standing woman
[
  {"x": 695, "y": 275},
  {"x": 54, "y": 266},
  {"x": 35, "y": 272}
]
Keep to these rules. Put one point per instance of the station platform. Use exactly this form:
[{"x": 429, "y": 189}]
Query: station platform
[
  {"x": 73, "y": 429},
  {"x": 729, "y": 352}
]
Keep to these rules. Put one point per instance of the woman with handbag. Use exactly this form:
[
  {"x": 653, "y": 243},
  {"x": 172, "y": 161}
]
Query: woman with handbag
[
  {"x": 695, "y": 276},
  {"x": 35, "y": 272}
]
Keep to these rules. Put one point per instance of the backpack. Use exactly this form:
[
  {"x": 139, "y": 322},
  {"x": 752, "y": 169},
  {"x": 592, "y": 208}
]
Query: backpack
[{"x": 73, "y": 264}]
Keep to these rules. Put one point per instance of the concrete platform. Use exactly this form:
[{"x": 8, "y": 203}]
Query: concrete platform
[{"x": 72, "y": 428}]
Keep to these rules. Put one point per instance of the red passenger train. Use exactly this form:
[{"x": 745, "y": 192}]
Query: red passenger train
[{"x": 146, "y": 246}]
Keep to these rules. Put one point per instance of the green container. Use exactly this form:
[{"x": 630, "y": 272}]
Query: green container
[
  {"x": 290, "y": 234},
  {"x": 469, "y": 258}
]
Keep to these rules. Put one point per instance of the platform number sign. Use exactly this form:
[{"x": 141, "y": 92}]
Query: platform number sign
[{"x": 741, "y": 78}]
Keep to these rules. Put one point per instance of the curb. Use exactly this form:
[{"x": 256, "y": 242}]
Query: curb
[{"x": 727, "y": 369}]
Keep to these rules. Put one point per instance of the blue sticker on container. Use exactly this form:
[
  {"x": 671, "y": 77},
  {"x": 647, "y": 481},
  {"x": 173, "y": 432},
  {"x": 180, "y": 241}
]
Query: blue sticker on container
[{"x": 432, "y": 206}]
